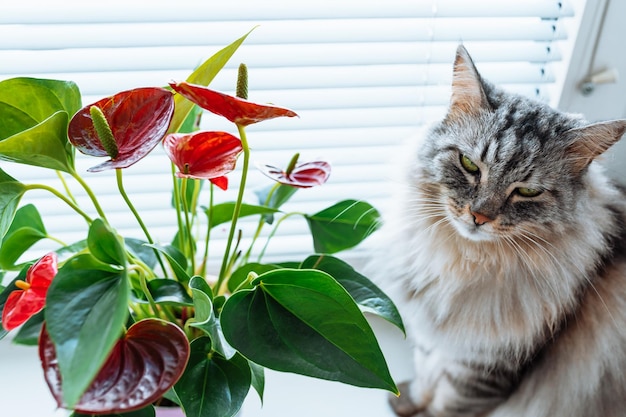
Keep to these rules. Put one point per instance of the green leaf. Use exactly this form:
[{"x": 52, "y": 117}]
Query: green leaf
[
  {"x": 26, "y": 230},
  {"x": 11, "y": 192},
  {"x": 203, "y": 75},
  {"x": 303, "y": 321},
  {"x": 205, "y": 318},
  {"x": 342, "y": 226},
  {"x": 223, "y": 213},
  {"x": 274, "y": 197},
  {"x": 176, "y": 259},
  {"x": 169, "y": 291},
  {"x": 86, "y": 309},
  {"x": 371, "y": 298},
  {"x": 105, "y": 244},
  {"x": 34, "y": 114},
  {"x": 212, "y": 385},
  {"x": 140, "y": 249},
  {"x": 258, "y": 379},
  {"x": 241, "y": 273}
]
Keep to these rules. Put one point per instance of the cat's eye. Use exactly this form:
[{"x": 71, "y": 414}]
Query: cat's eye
[
  {"x": 469, "y": 165},
  {"x": 528, "y": 192}
]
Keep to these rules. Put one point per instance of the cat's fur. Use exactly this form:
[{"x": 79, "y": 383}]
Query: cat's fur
[{"x": 516, "y": 305}]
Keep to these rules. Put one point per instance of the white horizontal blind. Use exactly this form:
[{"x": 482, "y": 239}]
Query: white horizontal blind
[{"x": 362, "y": 75}]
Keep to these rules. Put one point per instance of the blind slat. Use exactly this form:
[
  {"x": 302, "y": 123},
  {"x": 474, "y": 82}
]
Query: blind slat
[{"x": 189, "y": 11}]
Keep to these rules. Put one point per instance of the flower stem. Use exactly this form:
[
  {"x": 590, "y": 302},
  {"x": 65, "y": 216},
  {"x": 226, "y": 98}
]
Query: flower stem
[
  {"x": 273, "y": 232},
  {"x": 177, "y": 204},
  {"x": 188, "y": 228},
  {"x": 259, "y": 228},
  {"x": 120, "y": 187},
  {"x": 65, "y": 186},
  {"x": 90, "y": 193},
  {"x": 237, "y": 209},
  {"x": 62, "y": 197},
  {"x": 205, "y": 257}
]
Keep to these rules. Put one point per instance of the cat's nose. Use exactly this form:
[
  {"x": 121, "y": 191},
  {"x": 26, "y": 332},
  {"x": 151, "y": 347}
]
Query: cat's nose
[{"x": 480, "y": 219}]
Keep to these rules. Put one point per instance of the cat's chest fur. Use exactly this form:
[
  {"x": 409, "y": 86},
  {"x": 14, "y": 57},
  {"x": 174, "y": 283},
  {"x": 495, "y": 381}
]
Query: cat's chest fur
[{"x": 483, "y": 295}]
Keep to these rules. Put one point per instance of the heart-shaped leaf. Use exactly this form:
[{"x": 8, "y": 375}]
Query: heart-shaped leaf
[
  {"x": 141, "y": 367},
  {"x": 371, "y": 298},
  {"x": 86, "y": 310},
  {"x": 223, "y": 213},
  {"x": 169, "y": 291},
  {"x": 303, "y": 321},
  {"x": 242, "y": 273},
  {"x": 176, "y": 259},
  {"x": 26, "y": 230},
  {"x": 212, "y": 385},
  {"x": 342, "y": 226},
  {"x": 11, "y": 192},
  {"x": 105, "y": 244},
  {"x": 34, "y": 114}
]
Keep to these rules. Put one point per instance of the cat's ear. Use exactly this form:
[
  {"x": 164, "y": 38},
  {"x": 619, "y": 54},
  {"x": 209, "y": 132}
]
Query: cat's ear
[
  {"x": 468, "y": 94},
  {"x": 589, "y": 142}
]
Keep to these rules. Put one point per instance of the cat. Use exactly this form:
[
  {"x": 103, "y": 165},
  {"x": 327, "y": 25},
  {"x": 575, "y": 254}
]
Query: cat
[{"x": 505, "y": 251}]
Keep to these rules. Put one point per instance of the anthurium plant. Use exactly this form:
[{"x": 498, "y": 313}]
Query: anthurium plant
[{"x": 122, "y": 323}]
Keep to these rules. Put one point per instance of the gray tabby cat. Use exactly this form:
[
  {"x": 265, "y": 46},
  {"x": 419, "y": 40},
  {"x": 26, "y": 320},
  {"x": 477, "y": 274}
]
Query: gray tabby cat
[{"x": 506, "y": 255}]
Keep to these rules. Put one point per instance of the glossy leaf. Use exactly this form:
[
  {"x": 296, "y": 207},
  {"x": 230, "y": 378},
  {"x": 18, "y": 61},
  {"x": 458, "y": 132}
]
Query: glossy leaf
[
  {"x": 11, "y": 192},
  {"x": 26, "y": 230},
  {"x": 34, "y": 114},
  {"x": 274, "y": 197},
  {"x": 141, "y": 367},
  {"x": 203, "y": 75},
  {"x": 371, "y": 298},
  {"x": 235, "y": 109},
  {"x": 86, "y": 310},
  {"x": 205, "y": 318},
  {"x": 304, "y": 175},
  {"x": 242, "y": 273},
  {"x": 105, "y": 244},
  {"x": 203, "y": 155},
  {"x": 177, "y": 261},
  {"x": 211, "y": 385},
  {"x": 342, "y": 226},
  {"x": 23, "y": 303},
  {"x": 258, "y": 379},
  {"x": 223, "y": 213},
  {"x": 303, "y": 321},
  {"x": 169, "y": 291},
  {"x": 138, "y": 119}
]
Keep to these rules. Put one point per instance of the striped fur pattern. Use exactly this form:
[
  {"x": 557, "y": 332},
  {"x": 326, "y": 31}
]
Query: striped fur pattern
[{"x": 506, "y": 255}]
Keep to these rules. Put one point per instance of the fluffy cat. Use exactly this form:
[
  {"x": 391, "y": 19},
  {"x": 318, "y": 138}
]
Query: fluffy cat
[{"x": 506, "y": 256}]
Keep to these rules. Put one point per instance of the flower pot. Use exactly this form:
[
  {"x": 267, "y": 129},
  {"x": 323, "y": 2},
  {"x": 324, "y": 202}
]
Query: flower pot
[{"x": 168, "y": 412}]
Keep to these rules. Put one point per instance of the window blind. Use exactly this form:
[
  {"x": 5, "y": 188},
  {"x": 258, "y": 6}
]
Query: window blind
[{"x": 362, "y": 75}]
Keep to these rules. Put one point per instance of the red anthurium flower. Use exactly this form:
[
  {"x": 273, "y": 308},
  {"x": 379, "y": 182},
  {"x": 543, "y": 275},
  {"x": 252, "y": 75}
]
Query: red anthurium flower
[
  {"x": 304, "y": 175},
  {"x": 30, "y": 298},
  {"x": 204, "y": 155},
  {"x": 138, "y": 120},
  {"x": 235, "y": 109},
  {"x": 144, "y": 364}
]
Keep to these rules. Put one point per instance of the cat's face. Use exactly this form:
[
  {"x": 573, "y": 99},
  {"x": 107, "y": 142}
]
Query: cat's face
[
  {"x": 501, "y": 166},
  {"x": 494, "y": 183}
]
